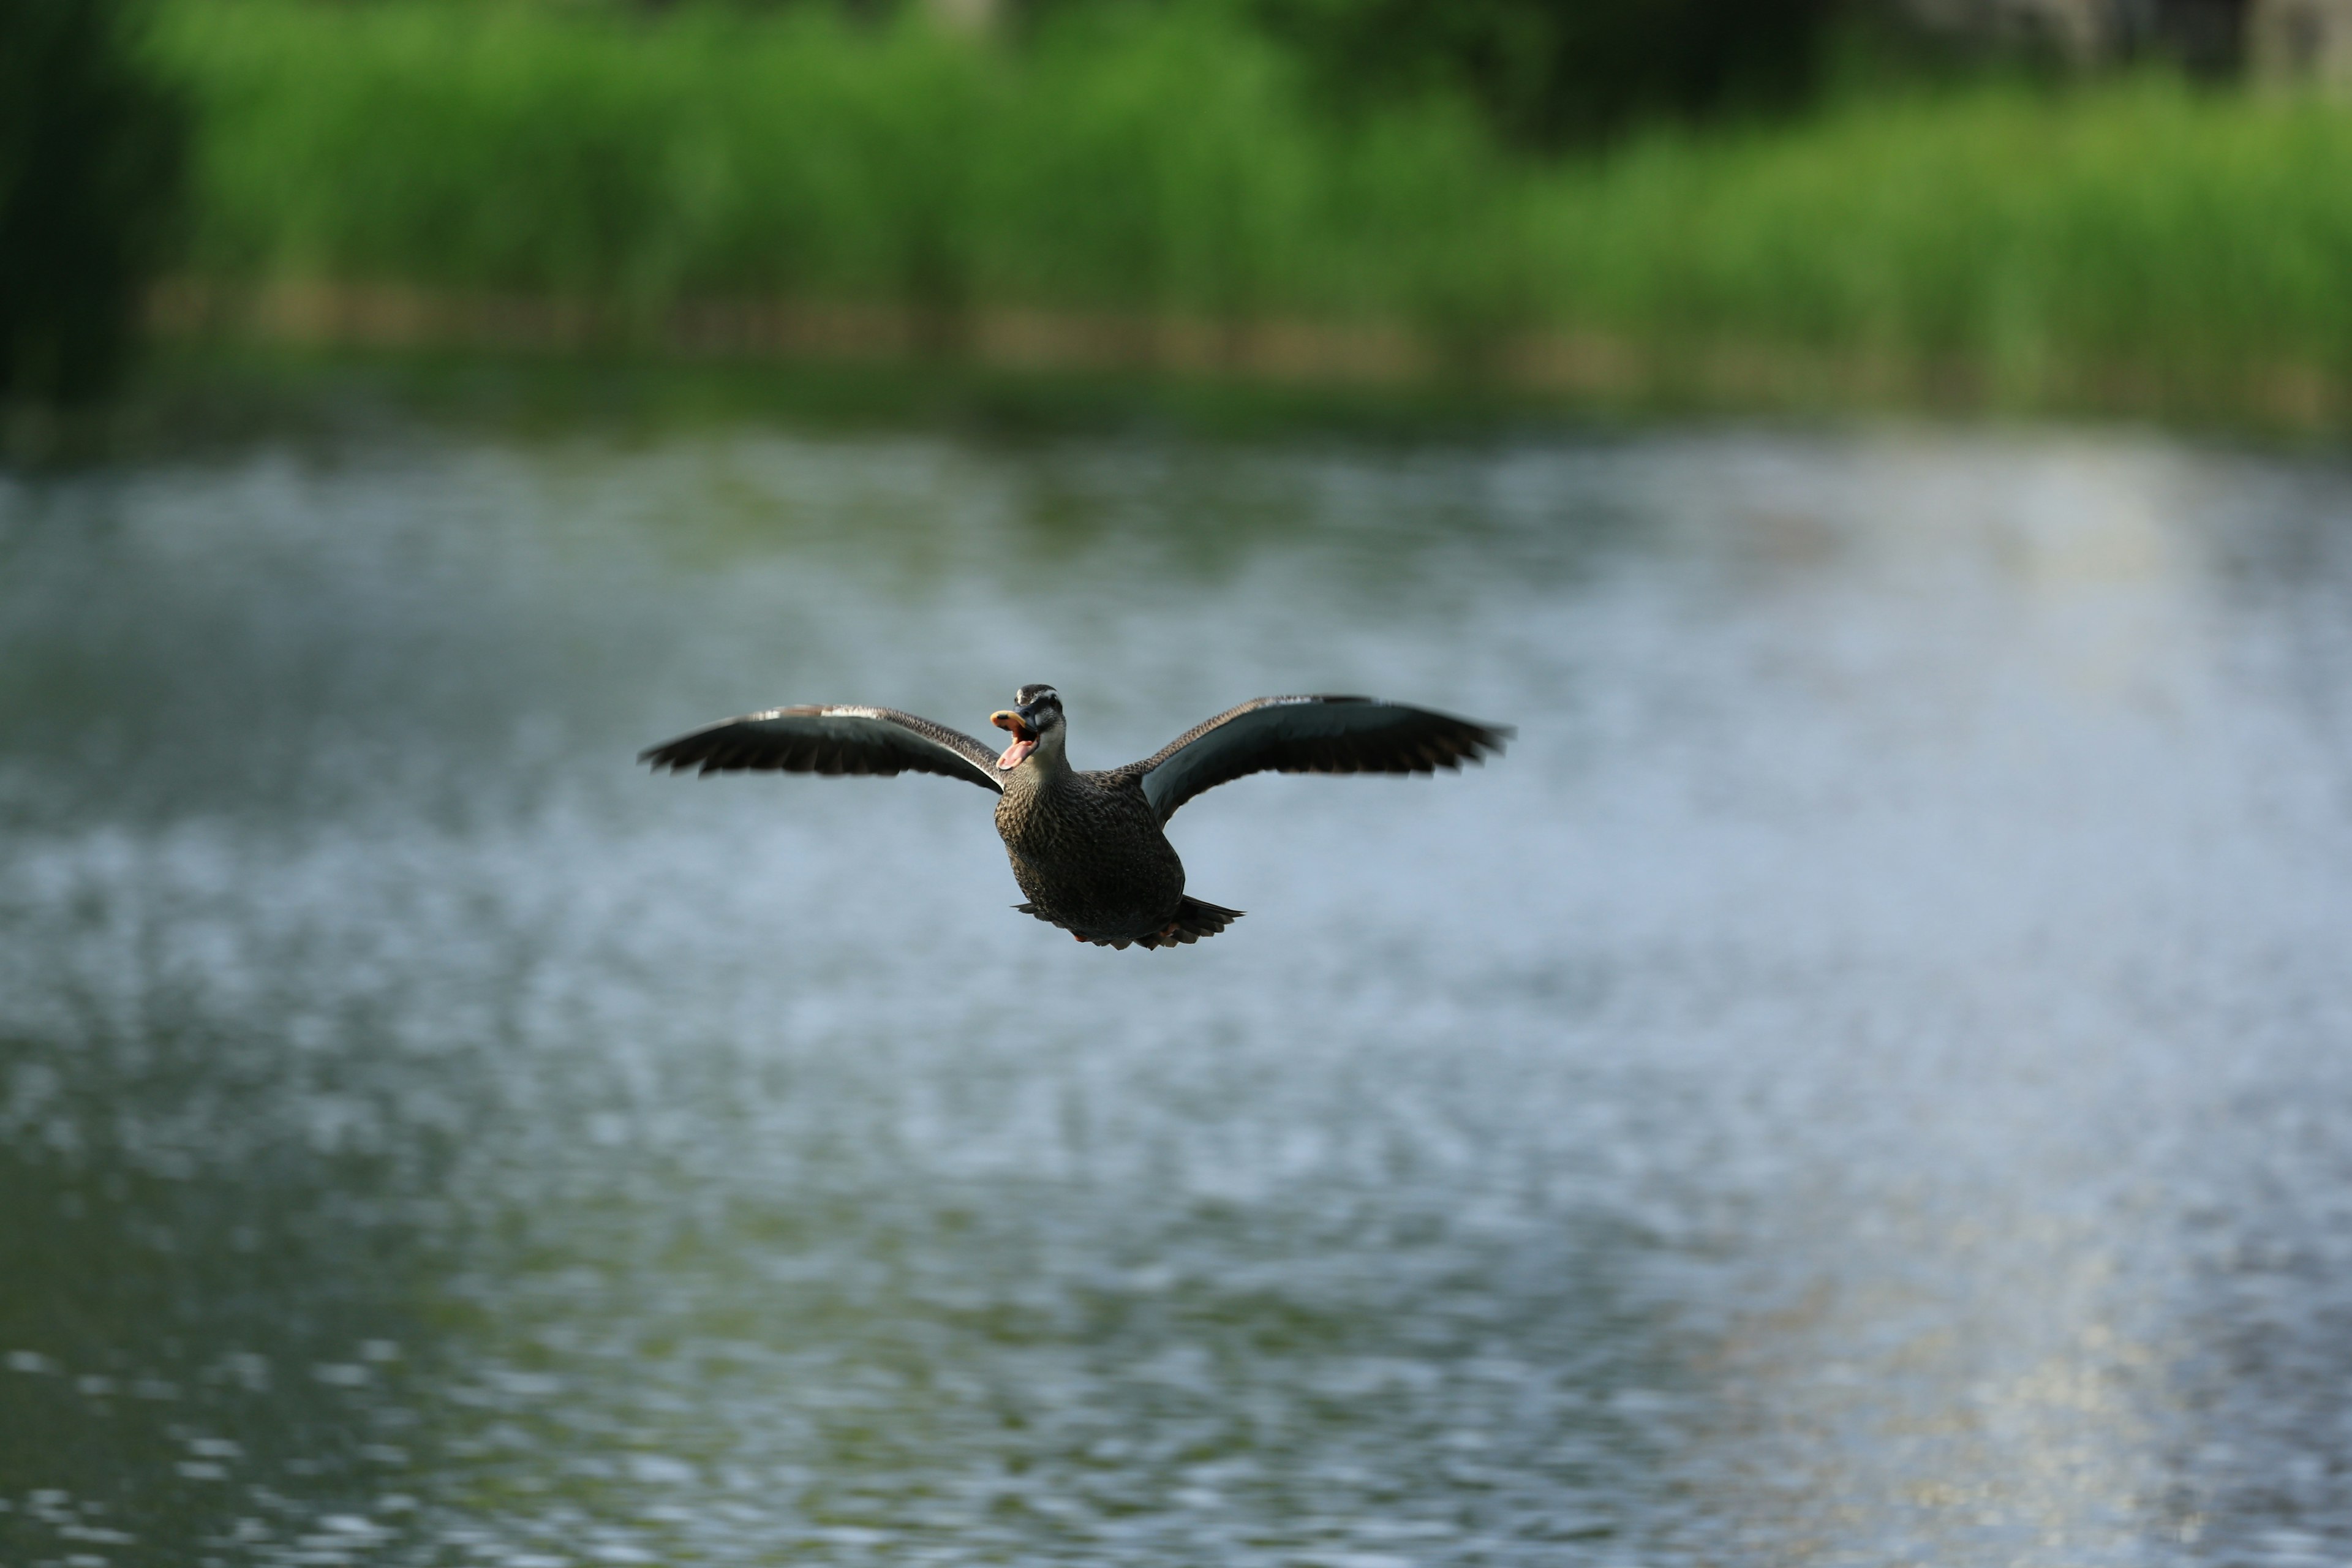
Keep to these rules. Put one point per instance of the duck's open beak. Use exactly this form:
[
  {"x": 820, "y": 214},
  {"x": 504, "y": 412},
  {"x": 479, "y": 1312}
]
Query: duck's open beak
[{"x": 1025, "y": 738}]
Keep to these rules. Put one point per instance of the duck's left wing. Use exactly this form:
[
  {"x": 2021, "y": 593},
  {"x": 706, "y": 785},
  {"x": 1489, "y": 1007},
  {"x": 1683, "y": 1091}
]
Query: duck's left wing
[
  {"x": 1312, "y": 735},
  {"x": 829, "y": 739}
]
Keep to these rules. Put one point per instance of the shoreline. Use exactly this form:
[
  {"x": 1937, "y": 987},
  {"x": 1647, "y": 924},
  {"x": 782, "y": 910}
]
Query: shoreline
[{"x": 1575, "y": 368}]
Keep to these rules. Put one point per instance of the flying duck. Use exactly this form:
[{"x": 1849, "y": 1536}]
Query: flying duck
[{"x": 1088, "y": 848}]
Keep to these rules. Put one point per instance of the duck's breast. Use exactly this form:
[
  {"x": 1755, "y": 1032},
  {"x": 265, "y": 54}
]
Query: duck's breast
[{"x": 1088, "y": 849}]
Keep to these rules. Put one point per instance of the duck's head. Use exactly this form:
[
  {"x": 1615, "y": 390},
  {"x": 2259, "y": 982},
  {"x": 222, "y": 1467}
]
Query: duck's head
[{"x": 1035, "y": 721}]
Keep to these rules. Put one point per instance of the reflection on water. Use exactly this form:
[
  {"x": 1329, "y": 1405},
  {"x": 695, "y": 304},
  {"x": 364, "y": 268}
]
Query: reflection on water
[{"x": 1860, "y": 1083}]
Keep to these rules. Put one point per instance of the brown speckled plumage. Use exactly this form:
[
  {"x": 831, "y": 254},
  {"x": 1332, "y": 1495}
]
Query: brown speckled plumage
[{"x": 1089, "y": 848}]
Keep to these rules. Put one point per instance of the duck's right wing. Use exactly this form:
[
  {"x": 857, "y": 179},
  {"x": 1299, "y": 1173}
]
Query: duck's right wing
[
  {"x": 830, "y": 739},
  {"x": 1311, "y": 735}
]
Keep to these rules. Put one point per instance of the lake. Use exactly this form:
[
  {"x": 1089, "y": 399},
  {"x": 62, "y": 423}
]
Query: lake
[{"x": 1868, "y": 1078}]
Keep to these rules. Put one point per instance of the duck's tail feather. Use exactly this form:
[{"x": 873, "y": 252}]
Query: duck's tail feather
[{"x": 1194, "y": 920}]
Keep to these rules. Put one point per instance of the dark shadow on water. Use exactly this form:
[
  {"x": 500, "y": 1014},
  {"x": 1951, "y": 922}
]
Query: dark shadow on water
[
  {"x": 198, "y": 1359},
  {"x": 221, "y": 399}
]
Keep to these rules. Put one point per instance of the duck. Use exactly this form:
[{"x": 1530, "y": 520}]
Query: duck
[{"x": 1089, "y": 849}]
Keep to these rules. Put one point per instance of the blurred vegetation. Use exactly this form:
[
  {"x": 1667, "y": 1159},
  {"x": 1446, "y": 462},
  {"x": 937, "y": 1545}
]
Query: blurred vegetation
[
  {"x": 1157, "y": 161},
  {"x": 1548, "y": 74},
  {"x": 90, "y": 146},
  {"x": 2145, "y": 226},
  {"x": 1189, "y": 161}
]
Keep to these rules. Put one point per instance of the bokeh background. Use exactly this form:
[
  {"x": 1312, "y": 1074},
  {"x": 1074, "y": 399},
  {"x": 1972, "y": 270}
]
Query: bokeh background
[
  {"x": 2074, "y": 206},
  {"x": 1863, "y": 1081}
]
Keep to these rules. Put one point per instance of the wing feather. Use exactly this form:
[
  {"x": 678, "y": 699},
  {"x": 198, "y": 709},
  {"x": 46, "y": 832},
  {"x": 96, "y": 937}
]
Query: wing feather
[
  {"x": 1312, "y": 735},
  {"x": 831, "y": 740}
]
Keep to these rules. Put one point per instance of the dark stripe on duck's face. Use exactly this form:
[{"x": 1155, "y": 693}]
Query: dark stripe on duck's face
[{"x": 1038, "y": 707}]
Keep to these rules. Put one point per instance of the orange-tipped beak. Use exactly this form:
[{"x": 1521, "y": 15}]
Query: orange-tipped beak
[{"x": 1025, "y": 739}]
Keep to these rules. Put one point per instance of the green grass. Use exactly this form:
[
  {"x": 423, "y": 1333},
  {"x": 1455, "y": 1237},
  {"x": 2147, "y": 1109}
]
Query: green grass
[
  {"x": 1174, "y": 165},
  {"x": 1171, "y": 167},
  {"x": 2145, "y": 226}
]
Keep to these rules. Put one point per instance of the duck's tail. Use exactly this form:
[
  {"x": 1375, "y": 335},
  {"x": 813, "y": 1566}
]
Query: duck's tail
[{"x": 1194, "y": 920}]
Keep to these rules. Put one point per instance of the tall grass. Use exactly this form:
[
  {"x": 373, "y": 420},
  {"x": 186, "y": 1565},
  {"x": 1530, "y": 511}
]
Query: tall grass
[
  {"x": 2146, "y": 226},
  {"x": 1167, "y": 164},
  {"x": 1172, "y": 163}
]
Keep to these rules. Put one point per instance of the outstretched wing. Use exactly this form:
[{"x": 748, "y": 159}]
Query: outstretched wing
[
  {"x": 828, "y": 739},
  {"x": 1312, "y": 735}
]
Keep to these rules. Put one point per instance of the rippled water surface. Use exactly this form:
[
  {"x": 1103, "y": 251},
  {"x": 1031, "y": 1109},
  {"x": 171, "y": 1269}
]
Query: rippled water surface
[{"x": 1868, "y": 1079}]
